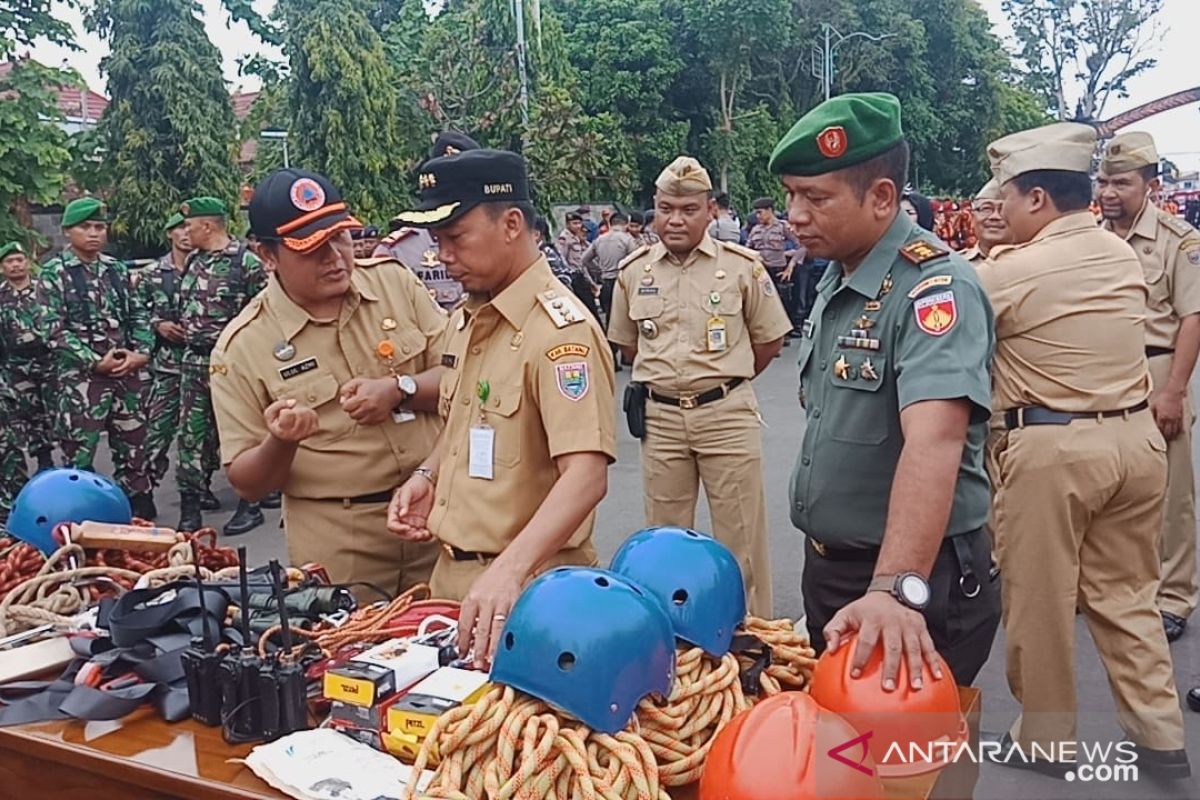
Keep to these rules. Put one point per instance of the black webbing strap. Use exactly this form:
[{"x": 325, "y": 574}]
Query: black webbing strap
[{"x": 760, "y": 654}]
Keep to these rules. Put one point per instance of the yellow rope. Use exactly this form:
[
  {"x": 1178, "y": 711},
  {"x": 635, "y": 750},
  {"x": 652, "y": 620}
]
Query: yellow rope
[
  {"x": 510, "y": 746},
  {"x": 792, "y": 658}
]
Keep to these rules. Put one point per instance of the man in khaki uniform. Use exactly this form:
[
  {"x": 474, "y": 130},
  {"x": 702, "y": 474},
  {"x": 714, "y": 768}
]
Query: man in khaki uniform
[
  {"x": 991, "y": 230},
  {"x": 1169, "y": 251},
  {"x": 700, "y": 319},
  {"x": 512, "y": 487},
  {"x": 1082, "y": 467},
  {"x": 325, "y": 386}
]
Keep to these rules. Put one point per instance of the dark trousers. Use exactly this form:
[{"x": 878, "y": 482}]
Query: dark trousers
[
  {"x": 962, "y": 626},
  {"x": 606, "y": 297},
  {"x": 583, "y": 291},
  {"x": 786, "y": 294}
]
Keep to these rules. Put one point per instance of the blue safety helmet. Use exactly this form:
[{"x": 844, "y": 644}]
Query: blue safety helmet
[
  {"x": 61, "y": 495},
  {"x": 588, "y": 643},
  {"x": 695, "y": 577}
]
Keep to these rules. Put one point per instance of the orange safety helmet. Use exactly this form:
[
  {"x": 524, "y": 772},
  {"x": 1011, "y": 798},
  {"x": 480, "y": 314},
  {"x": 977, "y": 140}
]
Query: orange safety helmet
[
  {"x": 788, "y": 748},
  {"x": 910, "y": 732}
]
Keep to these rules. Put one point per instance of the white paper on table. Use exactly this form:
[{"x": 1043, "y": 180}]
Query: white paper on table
[{"x": 323, "y": 764}]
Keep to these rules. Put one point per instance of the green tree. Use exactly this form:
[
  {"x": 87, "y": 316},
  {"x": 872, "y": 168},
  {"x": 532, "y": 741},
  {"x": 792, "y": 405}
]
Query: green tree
[
  {"x": 34, "y": 155},
  {"x": 1101, "y": 44},
  {"x": 23, "y": 22},
  {"x": 169, "y": 129},
  {"x": 346, "y": 121}
]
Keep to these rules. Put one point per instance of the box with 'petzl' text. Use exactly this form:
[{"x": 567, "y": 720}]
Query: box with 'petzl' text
[{"x": 359, "y": 684}]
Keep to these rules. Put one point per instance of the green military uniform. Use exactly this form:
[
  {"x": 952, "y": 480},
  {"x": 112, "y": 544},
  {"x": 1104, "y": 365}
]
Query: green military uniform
[
  {"x": 28, "y": 370},
  {"x": 214, "y": 288},
  {"x": 909, "y": 324},
  {"x": 12, "y": 460},
  {"x": 86, "y": 310}
]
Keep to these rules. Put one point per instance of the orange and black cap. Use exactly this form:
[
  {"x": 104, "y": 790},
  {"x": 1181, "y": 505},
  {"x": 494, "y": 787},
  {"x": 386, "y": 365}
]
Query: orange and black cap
[
  {"x": 299, "y": 209},
  {"x": 451, "y": 186}
]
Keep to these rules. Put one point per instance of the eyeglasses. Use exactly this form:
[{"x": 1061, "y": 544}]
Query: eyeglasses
[{"x": 986, "y": 209}]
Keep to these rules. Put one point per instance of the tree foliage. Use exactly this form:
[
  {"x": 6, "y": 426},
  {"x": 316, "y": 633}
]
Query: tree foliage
[
  {"x": 346, "y": 121},
  {"x": 23, "y": 22},
  {"x": 1099, "y": 44},
  {"x": 169, "y": 129}
]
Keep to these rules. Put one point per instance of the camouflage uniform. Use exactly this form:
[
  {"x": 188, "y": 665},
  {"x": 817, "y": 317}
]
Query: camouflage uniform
[
  {"x": 86, "y": 311},
  {"x": 28, "y": 370},
  {"x": 12, "y": 460},
  {"x": 214, "y": 288},
  {"x": 158, "y": 293}
]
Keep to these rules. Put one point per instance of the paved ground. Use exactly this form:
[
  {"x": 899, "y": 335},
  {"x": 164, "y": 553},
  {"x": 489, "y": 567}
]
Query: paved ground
[{"x": 621, "y": 514}]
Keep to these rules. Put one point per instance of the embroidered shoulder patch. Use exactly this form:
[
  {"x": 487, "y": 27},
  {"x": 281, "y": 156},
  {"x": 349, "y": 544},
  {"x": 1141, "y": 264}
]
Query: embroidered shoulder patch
[
  {"x": 580, "y": 350},
  {"x": 920, "y": 251},
  {"x": 936, "y": 313},
  {"x": 929, "y": 283},
  {"x": 572, "y": 379},
  {"x": 1192, "y": 251}
]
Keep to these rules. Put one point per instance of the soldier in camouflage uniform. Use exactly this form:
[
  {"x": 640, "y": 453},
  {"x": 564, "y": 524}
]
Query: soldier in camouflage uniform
[
  {"x": 158, "y": 292},
  {"x": 220, "y": 278},
  {"x": 27, "y": 366},
  {"x": 101, "y": 341}
]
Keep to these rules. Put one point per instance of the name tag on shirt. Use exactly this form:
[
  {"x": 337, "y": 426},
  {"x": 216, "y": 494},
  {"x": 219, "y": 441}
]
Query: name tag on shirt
[{"x": 482, "y": 452}]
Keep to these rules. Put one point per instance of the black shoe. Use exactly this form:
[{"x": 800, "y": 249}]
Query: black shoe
[
  {"x": 1193, "y": 699},
  {"x": 247, "y": 517},
  {"x": 1170, "y": 765},
  {"x": 618, "y": 367},
  {"x": 209, "y": 501},
  {"x": 273, "y": 500},
  {"x": 1173, "y": 625},
  {"x": 1009, "y": 754},
  {"x": 190, "y": 518},
  {"x": 142, "y": 506},
  {"x": 44, "y": 461}
]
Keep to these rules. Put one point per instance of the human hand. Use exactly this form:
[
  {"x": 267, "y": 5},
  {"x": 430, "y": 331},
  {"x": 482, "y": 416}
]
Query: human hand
[
  {"x": 408, "y": 512},
  {"x": 880, "y": 618},
  {"x": 370, "y": 401},
  {"x": 1167, "y": 407},
  {"x": 171, "y": 331},
  {"x": 485, "y": 610},
  {"x": 290, "y": 422}
]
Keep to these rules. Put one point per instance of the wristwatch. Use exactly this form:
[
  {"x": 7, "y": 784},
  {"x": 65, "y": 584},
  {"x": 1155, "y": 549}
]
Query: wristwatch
[
  {"x": 909, "y": 588},
  {"x": 407, "y": 385}
]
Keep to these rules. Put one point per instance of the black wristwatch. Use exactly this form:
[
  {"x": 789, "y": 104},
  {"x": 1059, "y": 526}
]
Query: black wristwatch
[{"x": 909, "y": 588}]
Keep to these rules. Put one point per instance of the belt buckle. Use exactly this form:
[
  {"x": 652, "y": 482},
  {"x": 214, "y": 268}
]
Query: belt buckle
[
  {"x": 449, "y": 550},
  {"x": 687, "y": 401},
  {"x": 822, "y": 551}
]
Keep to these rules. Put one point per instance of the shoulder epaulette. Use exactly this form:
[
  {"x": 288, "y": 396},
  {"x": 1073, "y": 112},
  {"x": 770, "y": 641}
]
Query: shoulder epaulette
[
  {"x": 634, "y": 256},
  {"x": 376, "y": 261},
  {"x": 563, "y": 309},
  {"x": 238, "y": 323},
  {"x": 921, "y": 252},
  {"x": 397, "y": 235},
  {"x": 1178, "y": 226},
  {"x": 734, "y": 247}
]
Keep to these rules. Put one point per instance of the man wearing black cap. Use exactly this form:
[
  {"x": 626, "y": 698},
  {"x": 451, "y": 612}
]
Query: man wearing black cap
[
  {"x": 512, "y": 487},
  {"x": 415, "y": 248},
  {"x": 365, "y": 241},
  {"x": 316, "y": 382}
]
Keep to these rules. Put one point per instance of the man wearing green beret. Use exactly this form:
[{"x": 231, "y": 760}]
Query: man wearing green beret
[
  {"x": 28, "y": 369},
  {"x": 889, "y": 485},
  {"x": 220, "y": 278},
  {"x": 101, "y": 341},
  {"x": 158, "y": 292}
]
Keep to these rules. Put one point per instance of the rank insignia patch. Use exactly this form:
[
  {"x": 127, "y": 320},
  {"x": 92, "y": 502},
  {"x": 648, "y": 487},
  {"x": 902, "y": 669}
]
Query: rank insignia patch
[{"x": 920, "y": 251}]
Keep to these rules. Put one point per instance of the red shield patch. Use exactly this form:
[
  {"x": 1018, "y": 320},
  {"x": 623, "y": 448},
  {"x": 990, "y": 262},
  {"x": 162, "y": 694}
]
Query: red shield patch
[
  {"x": 832, "y": 141},
  {"x": 936, "y": 313}
]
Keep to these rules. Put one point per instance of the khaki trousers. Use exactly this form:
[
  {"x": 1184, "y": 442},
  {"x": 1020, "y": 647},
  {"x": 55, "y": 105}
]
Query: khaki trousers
[
  {"x": 1078, "y": 518},
  {"x": 353, "y": 543},
  {"x": 720, "y": 444},
  {"x": 452, "y": 579},
  {"x": 1179, "y": 592}
]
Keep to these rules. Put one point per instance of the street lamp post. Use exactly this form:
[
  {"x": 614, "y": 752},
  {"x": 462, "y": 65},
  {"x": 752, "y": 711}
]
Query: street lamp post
[
  {"x": 833, "y": 40},
  {"x": 281, "y": 136}
]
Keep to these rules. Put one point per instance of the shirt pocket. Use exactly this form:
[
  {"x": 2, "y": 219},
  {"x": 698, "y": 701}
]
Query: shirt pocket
[
  {"x": 861, "y": 410},
  {"x": 320, "y": 393},
  {"x": 806, "y": 351},
  {"x": 643, "y": 307},
  {"x": 504, "y": 401}
]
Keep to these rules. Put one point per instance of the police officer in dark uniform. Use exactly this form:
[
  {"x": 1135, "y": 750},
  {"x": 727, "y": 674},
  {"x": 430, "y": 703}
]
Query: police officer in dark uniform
[{"x": 889, "y": 486}]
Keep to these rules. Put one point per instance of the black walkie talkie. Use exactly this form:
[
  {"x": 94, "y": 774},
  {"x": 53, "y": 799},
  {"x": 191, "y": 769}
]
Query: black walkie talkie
[
  {"x": 241, "y": 708},
  {"x": 201, "y": 664},
  {"x": 281, "y": 683}
]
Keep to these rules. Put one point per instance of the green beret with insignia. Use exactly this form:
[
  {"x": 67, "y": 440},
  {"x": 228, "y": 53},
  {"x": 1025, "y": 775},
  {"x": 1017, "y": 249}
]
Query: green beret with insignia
[
  {"x": 173, "y": 222},
  {"x": 82, "y": 210},
  {"x": 841, "y": 132},
  {"x": 10, "y": 248},
  {"x": 203, "y": 207}
]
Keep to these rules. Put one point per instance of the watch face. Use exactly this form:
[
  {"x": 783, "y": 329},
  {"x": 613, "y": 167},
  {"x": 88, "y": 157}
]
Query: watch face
[
  {"x": 914, "y": 590},
  {"x": 408, "y": 384}
]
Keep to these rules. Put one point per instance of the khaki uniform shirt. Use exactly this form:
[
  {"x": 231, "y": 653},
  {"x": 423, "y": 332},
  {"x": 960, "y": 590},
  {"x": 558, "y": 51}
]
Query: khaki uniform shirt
[
  {"x": 549, "y": 392},
  {"x": 274, "y": 350},
  {"x": 664, "y": 306},
  {"x": 1070, "y": 320},
  {"x": 910, "y": 324},
  {"x": 1169, "y": 251},
  {"x": 607, "y": 253},
  {"x": 771, "y": 243},
  {"x": 973, "y": 255}
]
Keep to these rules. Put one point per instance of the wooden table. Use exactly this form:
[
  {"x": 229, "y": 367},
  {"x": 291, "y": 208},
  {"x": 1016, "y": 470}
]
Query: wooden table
[{"x": 140, "y": 757}]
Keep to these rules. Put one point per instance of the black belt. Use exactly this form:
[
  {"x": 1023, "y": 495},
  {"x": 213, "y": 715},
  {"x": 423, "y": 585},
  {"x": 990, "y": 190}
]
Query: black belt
[
  {"x": 696, "y": 400},
  {"x": 959, "y": 545},
  {"x": 1151, "y": 352},
  {"x": 1035, "y": 415},
  {"x": 362, "y": 499},
  {"x": 458, "y": 554}
]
